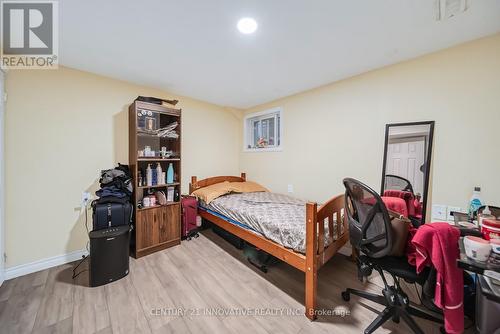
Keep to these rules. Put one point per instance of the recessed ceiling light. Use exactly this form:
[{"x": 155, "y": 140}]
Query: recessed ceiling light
[{"x": 247, "y": 25}]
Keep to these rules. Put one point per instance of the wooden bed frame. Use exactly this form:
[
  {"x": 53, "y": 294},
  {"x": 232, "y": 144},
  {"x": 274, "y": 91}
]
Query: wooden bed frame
[{"x": 316, "y": 255}]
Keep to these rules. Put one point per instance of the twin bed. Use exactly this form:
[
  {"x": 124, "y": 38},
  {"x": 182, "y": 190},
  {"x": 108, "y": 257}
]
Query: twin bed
[{"x": 296, "y": 232}]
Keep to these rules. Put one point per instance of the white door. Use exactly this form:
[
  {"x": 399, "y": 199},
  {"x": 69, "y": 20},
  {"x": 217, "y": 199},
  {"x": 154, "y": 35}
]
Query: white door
[
  {"x": 2, "y": 214},
  {"x": 405, "y": 158}
]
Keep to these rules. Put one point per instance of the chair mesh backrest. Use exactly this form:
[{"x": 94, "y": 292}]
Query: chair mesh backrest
[
  {"x": 369, "y": 223},
  {"x": 394, "y": 182}
]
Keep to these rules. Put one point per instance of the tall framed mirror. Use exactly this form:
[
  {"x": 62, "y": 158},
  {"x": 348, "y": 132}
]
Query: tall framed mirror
[{"x": 406, "y": 168}]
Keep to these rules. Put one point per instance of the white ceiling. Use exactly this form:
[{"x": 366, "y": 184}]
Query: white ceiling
[{"x": 192, "y": 47}]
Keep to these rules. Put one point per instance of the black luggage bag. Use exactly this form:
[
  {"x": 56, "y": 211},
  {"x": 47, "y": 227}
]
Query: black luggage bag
[{"x": 107, "y": 215}]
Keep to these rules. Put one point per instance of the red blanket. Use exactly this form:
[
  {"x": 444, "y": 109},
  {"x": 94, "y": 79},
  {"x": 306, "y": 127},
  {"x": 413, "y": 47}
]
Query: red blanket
[
  {"x": 407, "y": 197},
  {"x": 396, "y": 204}
]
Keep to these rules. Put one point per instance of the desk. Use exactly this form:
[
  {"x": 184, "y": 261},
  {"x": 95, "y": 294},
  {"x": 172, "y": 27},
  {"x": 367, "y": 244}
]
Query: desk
[
  {"x": 474, "y": 266},
  {"x": 487, "y": 297},
  {"x": 471, "y": 265}
]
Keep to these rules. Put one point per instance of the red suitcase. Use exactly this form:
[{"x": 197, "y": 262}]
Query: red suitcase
[{"x": 189, "y": 213}]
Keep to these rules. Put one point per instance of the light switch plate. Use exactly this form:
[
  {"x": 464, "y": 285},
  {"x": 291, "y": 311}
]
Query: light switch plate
[
  {"x": 290, "y": 188},
  {"x": 85, "y": 199},
  {"x": 439, "y": 212}
]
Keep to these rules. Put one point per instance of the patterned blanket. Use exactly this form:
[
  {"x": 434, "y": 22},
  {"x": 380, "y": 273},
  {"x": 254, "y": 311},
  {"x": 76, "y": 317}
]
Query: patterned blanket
[{"x": 278, "y": 217}]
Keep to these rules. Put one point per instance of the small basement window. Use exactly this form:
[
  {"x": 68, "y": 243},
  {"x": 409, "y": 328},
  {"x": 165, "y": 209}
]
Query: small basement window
[{"x": 263, "y": 131}]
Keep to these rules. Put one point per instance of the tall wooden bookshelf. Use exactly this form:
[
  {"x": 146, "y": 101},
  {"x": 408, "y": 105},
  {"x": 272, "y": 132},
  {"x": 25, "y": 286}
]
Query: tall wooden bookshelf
[{"x": 156, "y": 227}]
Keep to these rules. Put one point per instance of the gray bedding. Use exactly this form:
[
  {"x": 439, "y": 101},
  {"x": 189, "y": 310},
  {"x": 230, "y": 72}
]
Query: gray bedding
[{"x": 278, "y": 217}]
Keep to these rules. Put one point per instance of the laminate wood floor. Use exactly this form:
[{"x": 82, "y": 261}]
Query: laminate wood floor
[{"x": 175, "y": 290}]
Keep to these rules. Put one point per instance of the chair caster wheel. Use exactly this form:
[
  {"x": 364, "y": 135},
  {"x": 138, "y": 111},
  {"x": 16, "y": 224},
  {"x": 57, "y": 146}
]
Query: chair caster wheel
[
  {"x": 395, "y": 320},
  {"x": 346, "y": 296}
]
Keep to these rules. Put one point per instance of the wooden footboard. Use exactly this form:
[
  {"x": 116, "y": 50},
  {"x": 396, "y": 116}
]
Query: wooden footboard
[{"x": 330, "y": 214}]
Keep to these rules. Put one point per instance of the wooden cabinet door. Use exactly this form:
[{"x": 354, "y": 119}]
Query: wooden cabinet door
[
  {"x": 170, "y": 228},
  {"x": 147, "y": 226}
]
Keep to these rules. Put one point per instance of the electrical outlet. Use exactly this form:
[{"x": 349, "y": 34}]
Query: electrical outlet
[
  {"x": 439, "y": 212},
  {"x": 85, "y": 199},
  {"x": 290, "y": 188},
  {"x": 452, "y": 209}
]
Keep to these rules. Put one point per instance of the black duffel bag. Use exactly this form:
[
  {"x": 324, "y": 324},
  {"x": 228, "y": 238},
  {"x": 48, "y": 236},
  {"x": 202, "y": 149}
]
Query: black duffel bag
[
  {"x": 156, "y": 100},
  {"x": 110, "y": 214}
]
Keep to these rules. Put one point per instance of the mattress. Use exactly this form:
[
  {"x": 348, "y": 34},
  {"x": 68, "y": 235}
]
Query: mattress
[{"x": 277, "y": 217}]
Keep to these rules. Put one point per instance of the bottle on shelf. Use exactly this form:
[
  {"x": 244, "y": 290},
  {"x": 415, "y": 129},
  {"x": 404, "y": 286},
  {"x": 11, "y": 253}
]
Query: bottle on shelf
[
  {"x": 170, "y": 194},
  {"x": 170, "y": 173},
  {"x": 149, "y": 176},
  {"x": 159, "y": 174},
  {"x": 475, "y": 201},
  {"x": 155, "y": 177}
]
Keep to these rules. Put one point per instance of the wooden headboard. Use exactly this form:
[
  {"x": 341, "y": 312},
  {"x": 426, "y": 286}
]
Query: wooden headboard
[{"x": 195, "y": 184}]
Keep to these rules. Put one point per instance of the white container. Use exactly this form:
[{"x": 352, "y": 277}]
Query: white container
[
  {"x": 146, "y": 202},
  {"x": 149, "y": 176},
  {"x": 477, "y": 248},
  {"x": 159, "y": 174},
  {"x": 486, "y": 214},
  {"x": 495, "y": 246}
]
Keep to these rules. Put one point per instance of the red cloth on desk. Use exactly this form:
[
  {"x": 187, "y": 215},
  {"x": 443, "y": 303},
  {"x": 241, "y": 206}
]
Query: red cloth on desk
[
  {"x": 436, "y": 244},
  {"x": 396, "y": 204}
]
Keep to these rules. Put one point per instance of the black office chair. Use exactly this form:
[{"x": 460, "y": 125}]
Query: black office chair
[
  {"x": 394, "y": 182},
  {"x": 371, "y": 233}
]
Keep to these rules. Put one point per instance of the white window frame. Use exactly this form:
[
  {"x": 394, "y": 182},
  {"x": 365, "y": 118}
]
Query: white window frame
[{"x": 248, "y": 132}]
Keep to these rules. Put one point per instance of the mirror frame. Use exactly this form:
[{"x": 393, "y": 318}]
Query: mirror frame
[{"x": 428, "y": 158}]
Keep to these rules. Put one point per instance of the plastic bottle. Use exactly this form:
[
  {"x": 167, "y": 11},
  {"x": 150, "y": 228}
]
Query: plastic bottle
[
  {"x": 149, "y": 176},
  {"x": 159, "y": 174},
  {"x": 139, "y": 179},
  {"x": 154, "y": 181},
  {"x": 486, "y": 214},
  {"x": 170, "y": 173},
  {"x": 475, "y": 201}
]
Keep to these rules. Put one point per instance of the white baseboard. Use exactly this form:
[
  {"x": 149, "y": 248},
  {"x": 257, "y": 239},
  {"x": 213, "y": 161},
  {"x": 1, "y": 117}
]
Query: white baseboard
[{"x": 28, "y": 268}]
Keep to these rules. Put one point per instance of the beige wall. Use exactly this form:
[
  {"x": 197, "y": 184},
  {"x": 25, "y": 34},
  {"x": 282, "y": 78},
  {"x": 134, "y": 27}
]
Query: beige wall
[
  {"x": 338, "y": 130},
  {"x": 62, "y": 128}
]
